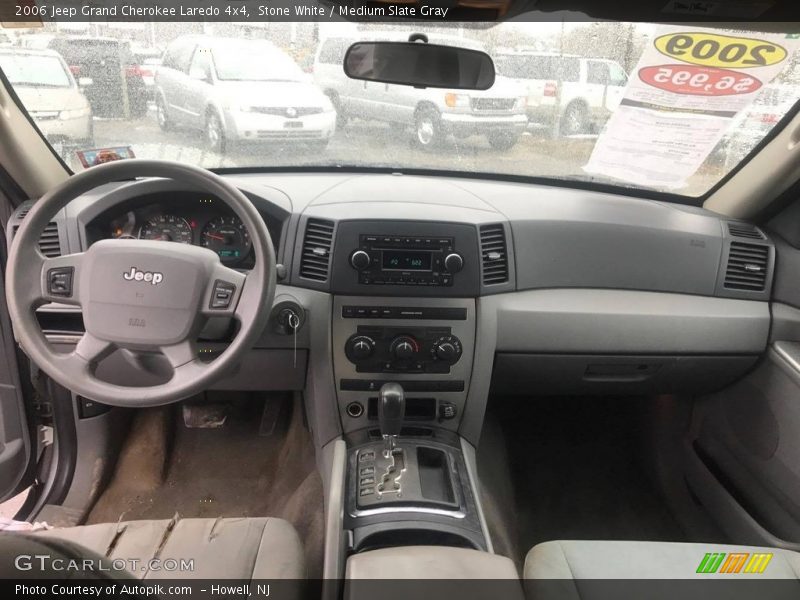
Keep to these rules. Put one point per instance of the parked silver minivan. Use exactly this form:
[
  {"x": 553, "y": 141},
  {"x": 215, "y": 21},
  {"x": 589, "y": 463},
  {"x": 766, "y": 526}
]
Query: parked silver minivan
[
  {"x": 53, "y": 98},
  {"x": 497, "y": 113},
  {"x": 240, "y": 91}
]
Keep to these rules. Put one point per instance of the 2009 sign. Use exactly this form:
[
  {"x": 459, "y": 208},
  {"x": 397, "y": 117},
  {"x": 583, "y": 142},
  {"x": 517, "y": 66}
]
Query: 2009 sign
[
  {"x": 699, "y": 81},
  {"x": 714, "y": 50}
]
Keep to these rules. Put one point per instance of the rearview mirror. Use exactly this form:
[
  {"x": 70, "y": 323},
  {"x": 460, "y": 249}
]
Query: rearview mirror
[{"x": 420, "y": 65}]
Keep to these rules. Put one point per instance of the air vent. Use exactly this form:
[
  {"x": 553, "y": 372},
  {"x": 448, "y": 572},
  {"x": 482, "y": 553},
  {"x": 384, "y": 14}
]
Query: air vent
[
  {"x": 22, "y": 214},
  {"x": 316, "y": 256},
  {"x": 747, "y": 267},
  {"x": 49, "y": 242},
  {"x": 494, "y": 254},
  {"x": 745, "y": 230}
]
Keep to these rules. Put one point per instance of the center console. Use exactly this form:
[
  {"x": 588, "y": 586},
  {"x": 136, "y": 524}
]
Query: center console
[{"x": 404, "y": 327}]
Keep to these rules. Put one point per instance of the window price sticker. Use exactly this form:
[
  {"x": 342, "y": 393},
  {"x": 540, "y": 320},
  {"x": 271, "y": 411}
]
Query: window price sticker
[{"x": 684, "y": 94}]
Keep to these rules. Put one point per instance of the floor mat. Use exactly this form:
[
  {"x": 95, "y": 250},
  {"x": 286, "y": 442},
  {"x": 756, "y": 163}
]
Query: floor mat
[
  {"x": 166, "y": 468},
  {"x": 576, "y": 473}
]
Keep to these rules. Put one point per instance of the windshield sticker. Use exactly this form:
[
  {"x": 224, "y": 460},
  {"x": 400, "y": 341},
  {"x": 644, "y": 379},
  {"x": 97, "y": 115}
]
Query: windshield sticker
[{"x": 688, "y": 90}]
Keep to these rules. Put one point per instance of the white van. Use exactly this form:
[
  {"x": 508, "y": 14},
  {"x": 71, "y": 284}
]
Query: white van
[
  {"x": 497, "y": 113},
  {"x": 567, "y": 94}
]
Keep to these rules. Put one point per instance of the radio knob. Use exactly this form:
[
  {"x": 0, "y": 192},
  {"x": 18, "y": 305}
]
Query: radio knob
[
  {"x": 360, "y": 260},
  {"x": 453, "y": 263},
  {"x": 360, "y": 347},
  {"x": 404, "y": 347}
]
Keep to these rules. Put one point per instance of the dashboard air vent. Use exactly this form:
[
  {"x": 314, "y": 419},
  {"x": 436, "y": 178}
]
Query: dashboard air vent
[
  {"x": 50, "y": 241},
  {"x": 745, "y": 230},
  {"x": 494, "y": 254},
  {"x": 22, "y": 214},
  {"x": 316, "y": 255},
  {"x": 747, "y": 267}
]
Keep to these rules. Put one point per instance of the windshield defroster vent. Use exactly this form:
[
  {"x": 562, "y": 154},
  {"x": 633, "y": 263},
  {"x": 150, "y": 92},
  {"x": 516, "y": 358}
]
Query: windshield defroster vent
[
  {"x": 494, "y": 254},
  {"x": 316, "y": 256},
  {"x": 745, "y": 230},
  {"x": 747, "y": 267}
]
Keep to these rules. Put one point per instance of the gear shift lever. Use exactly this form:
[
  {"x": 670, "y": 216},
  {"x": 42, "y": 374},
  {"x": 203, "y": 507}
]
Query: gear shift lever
[{"x": 391, "y": 412}]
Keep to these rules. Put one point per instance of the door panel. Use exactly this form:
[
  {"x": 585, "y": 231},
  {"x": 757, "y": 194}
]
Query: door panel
[
  {"x": 15, "y": 444},
  {"x": 748, "y": 435}
]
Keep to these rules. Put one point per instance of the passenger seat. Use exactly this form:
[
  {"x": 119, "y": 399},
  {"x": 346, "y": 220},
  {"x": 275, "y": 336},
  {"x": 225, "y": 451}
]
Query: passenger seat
[{"x": 553, "y": 569}]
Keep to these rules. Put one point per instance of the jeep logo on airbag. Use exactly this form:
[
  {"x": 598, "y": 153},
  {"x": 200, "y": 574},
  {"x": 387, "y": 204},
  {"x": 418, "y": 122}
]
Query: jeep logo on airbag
[{"x": 151, "y": 277}]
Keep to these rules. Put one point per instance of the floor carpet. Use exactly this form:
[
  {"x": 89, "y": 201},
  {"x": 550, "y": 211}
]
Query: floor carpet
[{"x": 166, "y": 468}]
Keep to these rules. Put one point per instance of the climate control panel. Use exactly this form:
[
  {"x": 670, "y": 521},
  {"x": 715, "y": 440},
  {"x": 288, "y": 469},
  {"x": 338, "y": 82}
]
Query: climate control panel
[{"x": 377, "y": 349}]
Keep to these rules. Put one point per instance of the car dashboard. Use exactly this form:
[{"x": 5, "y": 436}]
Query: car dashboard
[{"x": 455, "y": 288}]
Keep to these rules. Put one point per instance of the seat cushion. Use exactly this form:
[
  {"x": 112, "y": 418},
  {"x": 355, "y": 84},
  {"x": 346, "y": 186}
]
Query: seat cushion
[
  {"x": 429, "y": 562},
  {"x": 574, "y": 559},
  {"x": 246, "y": 548}
]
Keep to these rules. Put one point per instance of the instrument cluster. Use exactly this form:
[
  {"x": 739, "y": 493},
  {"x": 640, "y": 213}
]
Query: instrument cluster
[{"x": 201, "y": 221}]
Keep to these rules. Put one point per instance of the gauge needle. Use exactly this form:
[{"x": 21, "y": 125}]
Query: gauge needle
[{"x": 214, "y": 236}]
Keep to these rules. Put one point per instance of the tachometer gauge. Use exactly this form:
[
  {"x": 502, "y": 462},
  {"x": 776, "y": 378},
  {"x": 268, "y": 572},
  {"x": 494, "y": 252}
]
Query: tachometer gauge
[
  {"x": 167, "y": 228},
  {"x": 227, "y": 237}
]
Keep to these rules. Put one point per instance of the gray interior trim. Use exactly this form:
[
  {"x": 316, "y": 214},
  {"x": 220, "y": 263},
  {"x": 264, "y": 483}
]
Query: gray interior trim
[
  {"x": 334, "y": 472},
  {"x": 787, "y": 355},
  {"x": 468, "y": 450},
  {"x": 618, "y": 321},
  {"x": 731, "y": 517}
]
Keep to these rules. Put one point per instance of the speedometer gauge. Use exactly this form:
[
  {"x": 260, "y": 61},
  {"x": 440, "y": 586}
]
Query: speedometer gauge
[
  {"x": 167, "y": 228},
  {"x": 228, "y": 237}
]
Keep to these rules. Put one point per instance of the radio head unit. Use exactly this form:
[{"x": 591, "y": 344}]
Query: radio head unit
[{"x": 406, "y": 260}]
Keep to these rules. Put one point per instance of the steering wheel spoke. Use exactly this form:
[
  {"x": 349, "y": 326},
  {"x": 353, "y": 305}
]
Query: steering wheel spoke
[
  {"x": 180, "y": 354},
  {"x": 224, "y": 290},
  {"x": 89, "y": 351},
  {"x": 59, "y": 281}
]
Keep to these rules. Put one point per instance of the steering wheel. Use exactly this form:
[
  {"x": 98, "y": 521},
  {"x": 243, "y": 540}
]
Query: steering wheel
[{"x": 139, "y": 295}]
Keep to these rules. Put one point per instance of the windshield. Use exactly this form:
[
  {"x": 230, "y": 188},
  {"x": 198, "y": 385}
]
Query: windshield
[
  {"x": 665, "y": 108},
  {"x": 25, "y": 70}
]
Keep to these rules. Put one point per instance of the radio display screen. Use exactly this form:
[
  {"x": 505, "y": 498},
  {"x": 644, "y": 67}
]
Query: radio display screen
[{"x": 406, "y": 260}]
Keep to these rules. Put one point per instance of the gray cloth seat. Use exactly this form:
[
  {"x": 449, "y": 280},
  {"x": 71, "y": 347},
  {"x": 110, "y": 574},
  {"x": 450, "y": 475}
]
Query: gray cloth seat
[
  {"x": 246, "y": 548},
  {"x": 582, "y": 570}
]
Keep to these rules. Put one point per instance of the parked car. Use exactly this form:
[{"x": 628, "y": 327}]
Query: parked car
[
  {"x": 145, "y": 62},
  {"x": 48, "y": 89},
  {"x": 238, "y": 91},
  {"x": 497, "y": 113},
  {"x": 118, "y": 88},
  {"x": 567, "y": 94}
]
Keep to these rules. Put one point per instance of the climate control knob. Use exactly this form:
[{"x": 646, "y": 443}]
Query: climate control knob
[
  {"x": 360, "y": 260},
  {"x": 447, "y": 349},
  {"x": 453, "y": 263},
  {"x": 404, "y": 347},
  {"x": 359, "y": 347}
]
